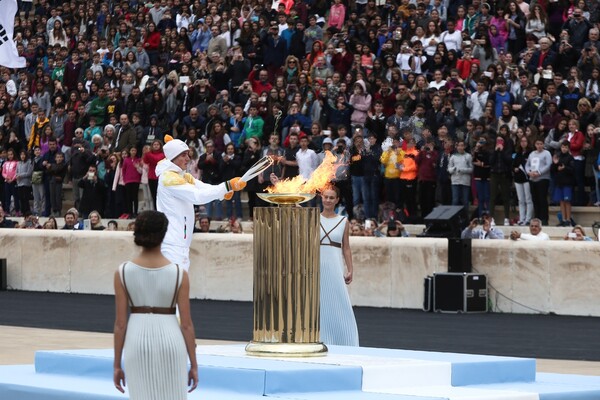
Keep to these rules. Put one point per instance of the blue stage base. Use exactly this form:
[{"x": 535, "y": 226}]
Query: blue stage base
[{"x": 345, "y": 373}]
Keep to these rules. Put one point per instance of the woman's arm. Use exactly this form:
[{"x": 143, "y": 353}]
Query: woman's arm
[
  {"x": 119, "y": 331},
  {"x": 187, "y": 329},
  {"x": 347, "y": 255}
]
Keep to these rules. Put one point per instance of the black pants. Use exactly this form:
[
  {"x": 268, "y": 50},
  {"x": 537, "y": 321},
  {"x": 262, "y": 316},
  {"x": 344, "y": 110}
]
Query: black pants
[
  {"x": 153, "y": 184},
  {"x": 539, "y": 196},
  {"x": 427, "y": 197},
  {"x": 24, "y": 196},
  {"x": 131, "y": 198},
  {"x": 252, "y": 201},
  {"x": 409, "y": 197}
]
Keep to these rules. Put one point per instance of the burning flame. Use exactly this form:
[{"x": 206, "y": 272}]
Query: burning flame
[{"x": 319, "y": 179}]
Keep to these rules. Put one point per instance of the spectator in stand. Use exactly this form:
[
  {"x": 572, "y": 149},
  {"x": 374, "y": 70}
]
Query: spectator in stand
[
  {"x": 501, "y": 177},
  {"x": 9, "y": 173},
  {"x": 535, "y": 232},
  {"x": 427, "y": 163},
  {"x": 93, "y": 191},
  {"x": 481, "y": 175},
  {"x": 460, "y": 168},
  {"x": 519, "y": 162},
  {"x": 486, "y": 231},
  {"x": 578, "y": 234},
  {"x": 132, "y": 177},
  {"x": 152, "y": 158},
  {"x": 229, "y": 167},
  {"x": 23, "y": 179},
  {"x": 576, "y": 141},
  {"x": 408, "y": 180},
  {"x": 391, "y": 158},
  {"x": 563, "y": 173}
]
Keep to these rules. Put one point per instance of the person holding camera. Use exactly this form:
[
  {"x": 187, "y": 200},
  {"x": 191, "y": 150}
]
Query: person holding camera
[
  {"x": 394, "y": 229},
  {"x": 481, "y": 228},
  {"x": 93, "y": 191}
]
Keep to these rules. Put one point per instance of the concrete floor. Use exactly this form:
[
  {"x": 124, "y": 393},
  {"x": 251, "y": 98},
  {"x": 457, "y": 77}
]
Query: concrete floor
[{"x": 18, "y": 346}]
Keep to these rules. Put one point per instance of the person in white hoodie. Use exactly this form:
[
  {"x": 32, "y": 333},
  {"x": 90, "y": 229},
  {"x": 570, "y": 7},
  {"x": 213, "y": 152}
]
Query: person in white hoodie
[{"x": 177, "y": 193}]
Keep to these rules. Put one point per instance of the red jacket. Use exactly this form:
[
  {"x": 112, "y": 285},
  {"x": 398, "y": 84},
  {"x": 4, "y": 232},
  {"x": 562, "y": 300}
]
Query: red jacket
[
  {"x": 464, "y": 67},
  {"x": 151, "y": 158},
  {"x": 152, "y": 41},
  {"x": 427, "y": 162},
  {"x": 577, "y": 142},
  {"x": 258, "y": 86}
]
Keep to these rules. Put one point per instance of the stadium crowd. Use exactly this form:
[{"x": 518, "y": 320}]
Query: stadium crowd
[{"x": 423, "y": 102}]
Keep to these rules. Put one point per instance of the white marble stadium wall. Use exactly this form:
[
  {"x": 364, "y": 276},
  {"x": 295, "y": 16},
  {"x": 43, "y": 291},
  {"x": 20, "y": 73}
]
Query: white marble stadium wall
[{"x": 557, "y": 276}]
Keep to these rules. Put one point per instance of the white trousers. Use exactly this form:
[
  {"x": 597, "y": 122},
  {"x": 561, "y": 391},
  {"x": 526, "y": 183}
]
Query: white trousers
[{"x": 177, "y": 255}]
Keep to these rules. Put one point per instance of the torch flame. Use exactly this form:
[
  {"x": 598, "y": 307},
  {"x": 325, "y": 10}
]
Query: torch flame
[{"x": 319, "y": 179}]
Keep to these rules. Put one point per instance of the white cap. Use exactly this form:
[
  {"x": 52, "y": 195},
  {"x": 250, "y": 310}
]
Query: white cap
[
  {"x": 173, "y": 147},
  {"x": 328, "y": 141}
]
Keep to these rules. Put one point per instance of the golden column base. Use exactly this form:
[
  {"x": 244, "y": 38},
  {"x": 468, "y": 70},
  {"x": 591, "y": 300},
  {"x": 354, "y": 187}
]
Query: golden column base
[
  {"x": 262, "y": 349},
  {"x": 286, "y": 283}
]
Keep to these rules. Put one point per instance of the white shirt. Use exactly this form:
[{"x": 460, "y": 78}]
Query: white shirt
[
  {"x": 434, "y": 84},
  {"x": 308, "y": 161},
  {"x": 453, "y": 41},
  {"x": 539, "y": 236},
  {"x": 476, "y": 103}
]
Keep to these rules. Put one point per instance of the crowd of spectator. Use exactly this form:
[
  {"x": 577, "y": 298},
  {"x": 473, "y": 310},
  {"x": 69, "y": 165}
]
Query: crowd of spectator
[{"x": 424, "y": 102}]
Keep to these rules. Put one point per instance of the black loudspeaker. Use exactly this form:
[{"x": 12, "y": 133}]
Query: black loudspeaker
[
  {"x": 3, "y": 282},
  {"x": 445, "y": 222},
  {"x": 428, "y": 294},
  {"x": 459, "y": 255},
  {"x": 460, "y": 292}
]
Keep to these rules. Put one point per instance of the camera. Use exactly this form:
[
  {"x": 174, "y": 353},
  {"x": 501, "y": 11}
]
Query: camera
[
  {"x": 391, "y": 224},
  {"x": 340, "y": 149}
]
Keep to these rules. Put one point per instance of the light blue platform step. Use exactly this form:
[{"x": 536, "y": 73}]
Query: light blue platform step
[{"x": 227, "y": 373}]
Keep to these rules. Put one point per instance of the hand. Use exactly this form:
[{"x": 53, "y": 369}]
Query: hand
[
  {"x": 237, "y": 184},
  {"x": 193, "y": 379},
  {"x": 119, "y": 379},
  {"x": 348, "y": 277},
  {"x": 514, "y": 235},
  {"x": 473, "y": 224},
  {"x": 273, "y": 178}
]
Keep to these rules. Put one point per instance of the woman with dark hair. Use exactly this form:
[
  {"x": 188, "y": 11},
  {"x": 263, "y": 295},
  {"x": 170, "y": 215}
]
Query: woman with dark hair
[
  {"x": 485, "y": 52},
  {"x": 522, "y": 151},
  {"x": 515, "y": 24},
  {"x": 151, "y": 342},
  {"x": 338, "y": 324}
]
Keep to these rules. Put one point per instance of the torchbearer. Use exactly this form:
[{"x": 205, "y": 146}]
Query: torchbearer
[{"x": 177, "y": 193}]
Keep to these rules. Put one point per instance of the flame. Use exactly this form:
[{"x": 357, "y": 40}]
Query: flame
[{"x": 319, "y": 179}]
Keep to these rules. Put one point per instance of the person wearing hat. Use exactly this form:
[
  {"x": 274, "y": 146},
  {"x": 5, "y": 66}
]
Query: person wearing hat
[{"x": 178, "y": 191}]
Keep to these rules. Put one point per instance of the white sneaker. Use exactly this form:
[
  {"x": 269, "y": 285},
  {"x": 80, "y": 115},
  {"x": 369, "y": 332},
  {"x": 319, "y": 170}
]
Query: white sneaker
[
  {"x": 597, "y": 203},
  {"x": 506, "y": 222}
]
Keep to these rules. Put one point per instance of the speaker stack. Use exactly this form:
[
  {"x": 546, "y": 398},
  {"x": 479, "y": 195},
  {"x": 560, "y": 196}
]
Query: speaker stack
[{"x": 3, "y": 281}]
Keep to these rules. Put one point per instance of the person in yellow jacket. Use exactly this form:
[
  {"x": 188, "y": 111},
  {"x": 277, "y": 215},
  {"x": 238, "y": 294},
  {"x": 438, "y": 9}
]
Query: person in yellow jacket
[
  {"x": 37, "y": 129},
  {"x": 392, "y": 160},
  {"x": 408, "y": 180}
]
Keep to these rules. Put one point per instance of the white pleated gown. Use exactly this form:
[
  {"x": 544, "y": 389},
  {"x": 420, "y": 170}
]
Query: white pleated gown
[
  {"x": 338, "y": 324},
  {"x": 154, "y": 356}
]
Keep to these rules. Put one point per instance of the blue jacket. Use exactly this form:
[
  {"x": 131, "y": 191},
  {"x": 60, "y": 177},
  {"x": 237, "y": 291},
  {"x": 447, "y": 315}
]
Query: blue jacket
[{"x": 199, "y": 39}]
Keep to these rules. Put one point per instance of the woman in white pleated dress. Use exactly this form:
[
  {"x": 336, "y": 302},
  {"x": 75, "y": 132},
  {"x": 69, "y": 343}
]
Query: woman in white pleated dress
[
  {"x": 338, "y": 324},
  {"x": 151, "y": 343}
]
